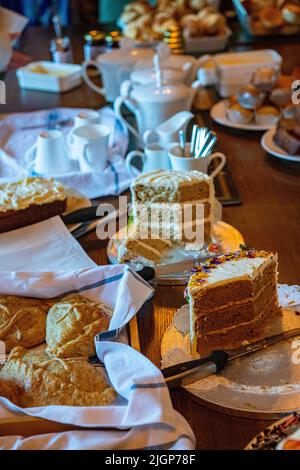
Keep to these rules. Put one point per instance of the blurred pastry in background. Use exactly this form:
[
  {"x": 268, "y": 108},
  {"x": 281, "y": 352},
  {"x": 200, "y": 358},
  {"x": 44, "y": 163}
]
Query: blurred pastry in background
[
  {"x": 291, "y": 112},
  {"x": 291, "y": 13},
  {"x": 287, "y": 135},
  {"x": 267, "y": 115},
  {"x": 265, "y": 78},
  {"x": 250, "y": 98},
  {"x": 196, "y": 17},
  {"x": 281, "y": 94},
  {"x": 271, "y": 18},
  {"x": 237, "y": 114}
]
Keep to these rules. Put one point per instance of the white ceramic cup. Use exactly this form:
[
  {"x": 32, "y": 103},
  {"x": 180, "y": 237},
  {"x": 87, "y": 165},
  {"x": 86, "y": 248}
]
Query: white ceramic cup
[
  {"x": 49, "y": 155},
  {"x": 82, "y": 119},
  {"x": 178, "y": 162},
  {"x": 114, "y": 67},
  {"x": 154, "y": 157},
  {"x": 91, "y": 147}
]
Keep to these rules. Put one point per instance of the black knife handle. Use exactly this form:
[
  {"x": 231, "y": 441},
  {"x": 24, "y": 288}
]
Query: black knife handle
[
  {"x": 147, "y": 273},
  {"x": 219, "y": 358},
  {"x": 82, "y": 215}
]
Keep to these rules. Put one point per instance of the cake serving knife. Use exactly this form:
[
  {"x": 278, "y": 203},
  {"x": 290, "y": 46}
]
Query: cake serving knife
[{"x": 192, "y": 371}]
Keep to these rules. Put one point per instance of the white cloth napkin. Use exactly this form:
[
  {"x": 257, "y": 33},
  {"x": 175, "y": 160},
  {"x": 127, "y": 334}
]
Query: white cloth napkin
[
  {"x": 17, "y": 136},
  {"x": 142, "y": 417},
  {"x": 45, "y": 246}
]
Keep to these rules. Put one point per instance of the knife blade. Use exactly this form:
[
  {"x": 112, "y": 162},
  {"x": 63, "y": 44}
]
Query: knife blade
[
  {"x": 157, "y": 272},
  {"x": 81, "y": 215},
  {"x": 84, "y": 229},
  {"x": 192, "y": 371}
]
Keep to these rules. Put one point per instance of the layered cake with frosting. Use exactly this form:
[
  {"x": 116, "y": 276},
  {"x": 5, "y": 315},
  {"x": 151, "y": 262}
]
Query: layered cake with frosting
[
  {"x": 146, "y": 251},
  {"x": 174, "y": 205},
  {"x": 232, "y": 298},
  {"x": 29, "y": 201}
]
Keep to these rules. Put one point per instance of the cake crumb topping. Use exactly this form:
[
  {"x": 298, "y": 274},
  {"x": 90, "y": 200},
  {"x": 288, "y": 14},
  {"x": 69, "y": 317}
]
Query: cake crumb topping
[{"x": 200, "y": 272}]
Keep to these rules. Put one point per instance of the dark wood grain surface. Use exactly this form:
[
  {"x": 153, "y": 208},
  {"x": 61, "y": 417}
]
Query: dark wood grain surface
[{"x": 269, "y": 218}]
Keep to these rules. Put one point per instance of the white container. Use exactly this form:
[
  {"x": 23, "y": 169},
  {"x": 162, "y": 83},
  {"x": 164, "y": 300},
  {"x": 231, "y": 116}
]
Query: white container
[
  {"x": 236, "y": 69},
  {"x": 47, "y": 76},
  {"x": 207, "y": 43}
]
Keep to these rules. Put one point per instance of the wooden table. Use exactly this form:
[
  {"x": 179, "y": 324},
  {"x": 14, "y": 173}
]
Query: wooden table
[{"x": 269, "y": 218}]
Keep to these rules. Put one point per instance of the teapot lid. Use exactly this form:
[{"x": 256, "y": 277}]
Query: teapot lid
[
  {"x": 128, "y": 55},
  {"x": 164, "y": 93},
  {"x": 147, "y": 76}
]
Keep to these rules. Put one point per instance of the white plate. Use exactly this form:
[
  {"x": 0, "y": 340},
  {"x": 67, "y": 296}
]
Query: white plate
[
  {"x": 271, "y": 147},
  {"x": 226, "y": 237},
  {"x": 263, "y": 385},
  {"x": 218, "y": 114}
]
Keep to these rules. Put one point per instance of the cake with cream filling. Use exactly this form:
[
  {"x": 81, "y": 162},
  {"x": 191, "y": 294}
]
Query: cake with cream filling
[
  {"x": 146, "y": 251},
  {"x": 169, "y": 208},
  {"x": 232, "y": 298},
  {"x": 30, "y": 201},
  {"x": 174, "y": 205}
]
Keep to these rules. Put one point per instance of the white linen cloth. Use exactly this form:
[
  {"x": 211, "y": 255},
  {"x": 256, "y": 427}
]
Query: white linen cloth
[
  {"x": 142, "y": 416},
  {"x": 17, "y": 136},
  {"x": 45, "y": 246}
]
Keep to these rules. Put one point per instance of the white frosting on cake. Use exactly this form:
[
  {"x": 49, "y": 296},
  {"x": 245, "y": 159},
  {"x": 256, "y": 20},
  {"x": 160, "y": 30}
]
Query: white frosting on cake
[
  {"x": 171, "y": 178},
  {"x": 240, "y": 268},
  {"x": 24, "y": 193}
]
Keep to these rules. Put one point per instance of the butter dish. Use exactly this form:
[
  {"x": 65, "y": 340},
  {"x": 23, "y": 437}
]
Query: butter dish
[{"x": 49, "y": 76}]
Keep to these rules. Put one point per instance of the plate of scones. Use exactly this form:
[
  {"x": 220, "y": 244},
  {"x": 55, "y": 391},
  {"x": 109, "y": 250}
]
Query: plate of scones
[{"x": 259, "y": 105}]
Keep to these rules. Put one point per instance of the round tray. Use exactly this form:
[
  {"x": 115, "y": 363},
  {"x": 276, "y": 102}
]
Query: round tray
[
  {"x": 224, "y": 235},
  {"x": 266, "y": 434},
  {"x": 263, "y": 385}
]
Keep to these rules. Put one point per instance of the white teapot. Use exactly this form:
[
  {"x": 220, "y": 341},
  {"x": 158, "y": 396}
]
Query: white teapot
[
  {"x": 152, "y": 105},
  {"x": 114, "y": 67},
  {"x": 170, "y": 75}
]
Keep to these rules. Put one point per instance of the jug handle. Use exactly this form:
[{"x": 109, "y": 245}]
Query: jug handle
[
  {"x": 28, "y": 158},
  {"x": 118, "y": 110},
  {"x": 88, "y": 81},
  {"x": 130, "y": 168},
  {"x": 125, "y": 88}
]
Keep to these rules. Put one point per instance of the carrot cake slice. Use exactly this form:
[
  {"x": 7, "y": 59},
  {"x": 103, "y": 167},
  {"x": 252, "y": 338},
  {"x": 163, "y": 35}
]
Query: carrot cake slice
[
  {"x": 174, "y": 205},
  {"x": 146, "y": 251},
  {"x": 232, "y": 298},
  {"x": 29, "y": 201}
]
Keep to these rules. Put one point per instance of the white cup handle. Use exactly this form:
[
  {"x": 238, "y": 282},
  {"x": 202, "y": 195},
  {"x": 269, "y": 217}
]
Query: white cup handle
[
  {"x": 221, "y": 165},
  {"x": 131, "y": 168},
  {"x": 29, "y": 158},
  {"x": 88, "y": 81},
  {"x": 118, "y": 110},
  {"x": 86, "y": 155},
  {"x": 70, "y": 143},
  {"x": 69, "y": 138}
]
